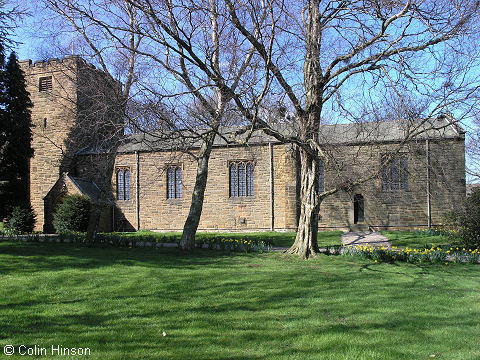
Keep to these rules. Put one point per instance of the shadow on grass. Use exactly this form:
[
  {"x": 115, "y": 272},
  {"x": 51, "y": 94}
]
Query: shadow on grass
[
  {"x": 58, "y": 256},
  {"x": 215, "y": 305}
]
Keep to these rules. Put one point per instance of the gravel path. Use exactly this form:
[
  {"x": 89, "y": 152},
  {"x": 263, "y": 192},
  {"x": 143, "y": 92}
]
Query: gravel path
[{"x": 362, "y": 238}]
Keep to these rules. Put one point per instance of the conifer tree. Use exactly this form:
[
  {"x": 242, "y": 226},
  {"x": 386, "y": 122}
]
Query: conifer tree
[{"x": 15, "y": 137}]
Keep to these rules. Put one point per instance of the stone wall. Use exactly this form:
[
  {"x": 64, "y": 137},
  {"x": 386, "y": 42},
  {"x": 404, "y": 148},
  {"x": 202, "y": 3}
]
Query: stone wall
[
  {"x": 78, "y": 112},
  {"x": 53, "y": 114},
  {"x": 220, "y": 211},
  {"x": 400, "y": 208},
  {"x": 382, "y": 209},
  {"x": 73, "y": 114}
]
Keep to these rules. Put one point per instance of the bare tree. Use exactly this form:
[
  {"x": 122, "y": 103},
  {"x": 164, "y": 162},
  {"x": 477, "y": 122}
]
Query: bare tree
[
  {"x": 105, "y": 94},
  {"x": 473, "y": 150},
  {"x": 347, "y": 53},
  {"x": 202, "y": 55},
  {"x": 326, "y": 59},
  {"x": 192, "y": 67}
]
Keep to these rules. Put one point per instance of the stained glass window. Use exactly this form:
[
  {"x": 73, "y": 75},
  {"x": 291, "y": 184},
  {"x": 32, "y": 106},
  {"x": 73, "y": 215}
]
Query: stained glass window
[
  {"x": 249, "y": 179},
  {"x": 178, "y": 182},
  {"x": 241, "y": 179},
  {"x": 123, "y": 184},
  {"x": 127, "y": 186},
  {"x": 174, "y": 182},
  {"x": 395, "y": 172},
  {"x": 120, "y": 185},
  {"x": 233, "y": 180}
]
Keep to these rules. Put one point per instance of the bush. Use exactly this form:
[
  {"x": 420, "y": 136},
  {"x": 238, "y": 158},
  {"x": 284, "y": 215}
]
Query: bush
[
  {"x": 466, "y": 221},
  {"x": 21, "y": 220},
  {"x": 72, "y": 214}
]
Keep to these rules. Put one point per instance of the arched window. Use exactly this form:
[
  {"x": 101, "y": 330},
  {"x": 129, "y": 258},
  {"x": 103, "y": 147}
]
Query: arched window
[
  {"x": 249, "y": 179},
  {"x": 123, "y": 184},
  {"x": 127, "y": 184},
  {"x": 394, "y": 172},
  {"x": 174, "y": 182},
  {"x": 241, "y": 179}
]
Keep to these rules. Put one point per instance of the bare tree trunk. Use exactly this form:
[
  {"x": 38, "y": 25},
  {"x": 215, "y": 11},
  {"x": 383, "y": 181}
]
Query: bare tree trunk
[
  {"x": 93, "y": 222},
  {"x": 306, "y": 244},
  {"x": 96, "y": 212},
  {"x": 187, "y": 242}
]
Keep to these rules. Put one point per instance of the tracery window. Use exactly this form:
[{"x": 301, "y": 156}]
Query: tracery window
[
  {"x": 174, "y": 182},
  {"x": 241, "y": 178},
  {"x": 395, "y": 172},
  {"x": 123, "y": 184}
]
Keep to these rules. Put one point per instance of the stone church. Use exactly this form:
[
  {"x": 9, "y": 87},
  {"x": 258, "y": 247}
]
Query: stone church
[{"x": 253, "y": 187}]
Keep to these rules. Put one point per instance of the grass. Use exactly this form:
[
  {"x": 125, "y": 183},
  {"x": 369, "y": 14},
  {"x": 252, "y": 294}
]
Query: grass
[
  {"x": 212, "y": 305},
  {"x": 283, "y": 239},
  {"x": 415, "y": 240}
]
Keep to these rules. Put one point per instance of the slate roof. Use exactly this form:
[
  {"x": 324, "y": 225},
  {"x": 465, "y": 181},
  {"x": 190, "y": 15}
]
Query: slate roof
[
  {"x": 85, "y": 187},
  {"x": 88, "y": 188},
  {"x": 338, "y": 134}
]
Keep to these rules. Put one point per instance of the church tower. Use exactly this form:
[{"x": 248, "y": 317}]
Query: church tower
[{"x": 70, "y": 101}]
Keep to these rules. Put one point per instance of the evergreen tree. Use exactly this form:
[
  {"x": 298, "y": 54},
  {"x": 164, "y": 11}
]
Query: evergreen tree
[
  {"x": 15, "y": 137},
  {"x": 2, "y": 55}
]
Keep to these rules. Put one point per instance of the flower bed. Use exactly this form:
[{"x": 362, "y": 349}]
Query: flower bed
[
  {"x": 246, "y": 245},
  {"x": 434, "y": 255},
  {"x": 147, "y": 240}
]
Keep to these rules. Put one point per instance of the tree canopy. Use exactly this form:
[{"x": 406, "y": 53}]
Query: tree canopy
[
  {"x": 15, "y": 137},
  {"x": 311, "y": 62}
]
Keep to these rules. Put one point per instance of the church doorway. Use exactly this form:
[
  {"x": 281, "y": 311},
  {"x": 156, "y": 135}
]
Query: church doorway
[{"x": 358, "y": 209}]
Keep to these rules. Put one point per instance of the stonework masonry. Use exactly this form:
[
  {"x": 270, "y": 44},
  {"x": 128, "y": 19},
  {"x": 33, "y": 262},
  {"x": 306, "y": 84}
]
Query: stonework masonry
[
  {"x": 64, "y": 117},
  {"x": 52, "y": 116},
  {"x": 220, "y": 211},
  {"x": 58, "y": 117}
]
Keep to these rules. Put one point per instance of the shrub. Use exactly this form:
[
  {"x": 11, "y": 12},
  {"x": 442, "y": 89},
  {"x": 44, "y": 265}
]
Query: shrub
[
  {"x": 21, "y": 220},
  {"x": 72, "y": 214},
  {"x": 466, "y": 221}
]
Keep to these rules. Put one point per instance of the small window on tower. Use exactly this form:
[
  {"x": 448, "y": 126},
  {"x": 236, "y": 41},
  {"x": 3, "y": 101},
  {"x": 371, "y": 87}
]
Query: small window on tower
[{"x": 45, "y": 84}]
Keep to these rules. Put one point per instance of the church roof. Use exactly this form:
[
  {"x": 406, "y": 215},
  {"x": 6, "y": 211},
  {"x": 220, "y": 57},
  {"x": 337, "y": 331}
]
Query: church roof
[
  {"x": 84, "y": 187},
  {"x": 337, "y": 134},
  {"x": 442, "y": 127},
  {"x": 88, "y": 188},
  {"x": 390, "y": 131}
]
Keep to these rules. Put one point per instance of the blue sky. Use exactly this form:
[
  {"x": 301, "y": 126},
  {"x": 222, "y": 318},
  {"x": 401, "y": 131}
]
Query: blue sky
[{"x": 33, "y": 40}]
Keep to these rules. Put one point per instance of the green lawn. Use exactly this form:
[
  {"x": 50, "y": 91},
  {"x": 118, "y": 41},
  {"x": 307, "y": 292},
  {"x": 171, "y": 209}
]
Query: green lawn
[
  {"x": 285, "y": 239},
  {"x": 212, "y": 305},
  {"x": 415, "y": 240}
]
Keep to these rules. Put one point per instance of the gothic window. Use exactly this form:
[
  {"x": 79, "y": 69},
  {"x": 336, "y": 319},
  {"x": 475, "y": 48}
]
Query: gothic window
[
  {"x": 395, "y": 172},
  {"x": 45, "y": 84},
  {"x": 249, "y": 179},
  {"x": 321, "y": 177},
  {"x": 241, "y": 178},
  {"x": 123, "y": 184},
  {"x": 174, "y": 182}
]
